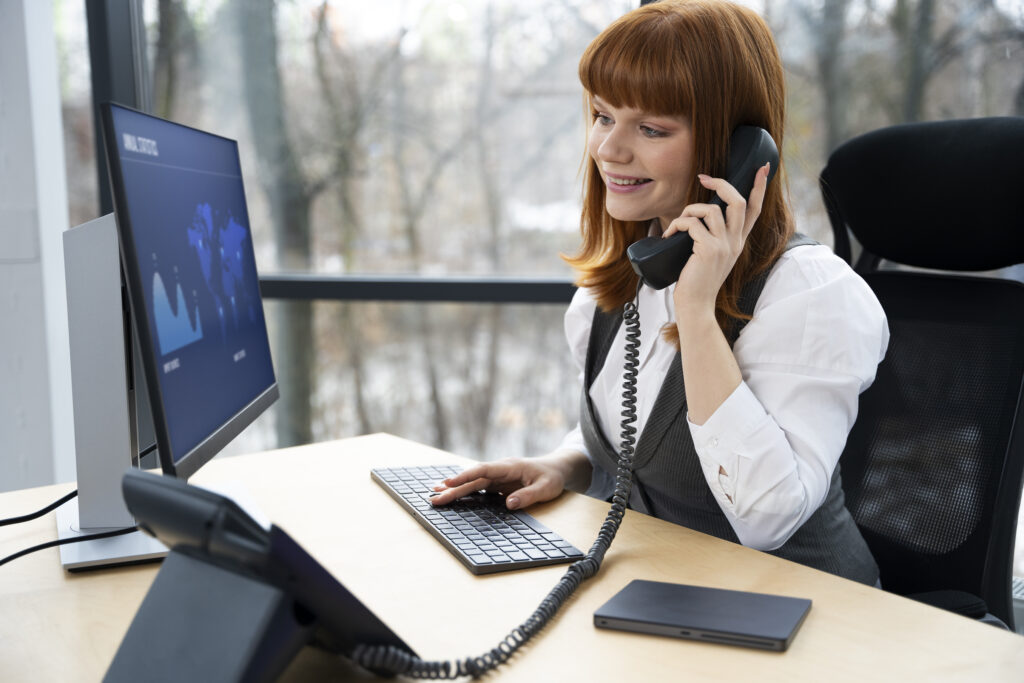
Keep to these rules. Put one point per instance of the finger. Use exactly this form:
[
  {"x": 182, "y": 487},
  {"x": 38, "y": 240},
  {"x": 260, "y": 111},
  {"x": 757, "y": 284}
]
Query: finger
[
  {"x": 695, "y": 226},
  {"x": 485, "y": 471},
  {"x": 710, "y": 214},
  {"x": 756, "y": 201},
  {"x": 455, "y": 492},
  {"x": 536, "y": 492},
  {"x": 471, "y": 484},
  {"x": 673, "y": 228},
  {"x": 735, "y": 204},
  {"x": 686, "y": 224}
]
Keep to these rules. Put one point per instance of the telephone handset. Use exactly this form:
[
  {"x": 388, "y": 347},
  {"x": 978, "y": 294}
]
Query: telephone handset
[{"x": 659, "y": 261}]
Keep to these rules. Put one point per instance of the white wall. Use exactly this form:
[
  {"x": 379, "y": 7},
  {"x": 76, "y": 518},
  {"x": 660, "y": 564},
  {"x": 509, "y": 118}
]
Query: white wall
[{"x": 36, "y": 442}]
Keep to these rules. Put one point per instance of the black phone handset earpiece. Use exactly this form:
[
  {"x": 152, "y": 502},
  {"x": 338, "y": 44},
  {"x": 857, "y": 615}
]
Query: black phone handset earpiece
[
  {"x": 659, "y": 261},
  {"x": 659, "y": 267}
]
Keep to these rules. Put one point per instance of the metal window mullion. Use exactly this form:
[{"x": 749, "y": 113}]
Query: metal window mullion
[
  {"x": 416, "y": 289},
  {"x": 119, "y": 70}
]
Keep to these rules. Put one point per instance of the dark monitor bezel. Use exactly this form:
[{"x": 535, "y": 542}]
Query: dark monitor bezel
[{"x": 204, "y": 451}]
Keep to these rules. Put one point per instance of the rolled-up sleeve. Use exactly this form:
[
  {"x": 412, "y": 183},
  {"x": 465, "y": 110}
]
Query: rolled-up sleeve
[{"x": 769, "y": 450}]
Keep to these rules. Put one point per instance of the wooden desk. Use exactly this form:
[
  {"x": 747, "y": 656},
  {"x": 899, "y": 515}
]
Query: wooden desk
[{"x": 60, "y": 627}]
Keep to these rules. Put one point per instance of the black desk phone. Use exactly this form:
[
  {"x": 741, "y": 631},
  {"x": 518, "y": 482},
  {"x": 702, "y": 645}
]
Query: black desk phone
[{"x": 659, "y": 261}]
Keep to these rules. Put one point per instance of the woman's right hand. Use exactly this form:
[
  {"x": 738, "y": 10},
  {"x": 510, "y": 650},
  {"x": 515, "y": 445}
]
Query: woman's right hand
[{"x": 524, "y": 481}]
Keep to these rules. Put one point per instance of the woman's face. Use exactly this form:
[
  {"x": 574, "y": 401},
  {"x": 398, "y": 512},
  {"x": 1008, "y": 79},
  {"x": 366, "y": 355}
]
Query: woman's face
[{"x": 645, "y": 161}]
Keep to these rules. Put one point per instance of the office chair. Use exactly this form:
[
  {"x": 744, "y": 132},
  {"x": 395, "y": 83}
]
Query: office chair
[{"x": 932, "y": 470}]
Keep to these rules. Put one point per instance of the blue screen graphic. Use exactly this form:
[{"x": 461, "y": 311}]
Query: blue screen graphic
[{"x": 193, "y": 246}]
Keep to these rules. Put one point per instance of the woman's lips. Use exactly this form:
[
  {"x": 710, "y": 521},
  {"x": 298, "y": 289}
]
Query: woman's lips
[{"x": 624, "y": 184}]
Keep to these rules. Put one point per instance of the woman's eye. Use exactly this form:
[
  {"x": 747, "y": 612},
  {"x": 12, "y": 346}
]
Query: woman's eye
[
  {"x": 603, "y": 119},
  {"x": 652, "y": 132}
]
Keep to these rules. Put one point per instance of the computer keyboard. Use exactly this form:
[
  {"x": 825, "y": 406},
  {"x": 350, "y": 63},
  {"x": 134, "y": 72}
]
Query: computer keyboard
[{"x": 479, "y": 530}]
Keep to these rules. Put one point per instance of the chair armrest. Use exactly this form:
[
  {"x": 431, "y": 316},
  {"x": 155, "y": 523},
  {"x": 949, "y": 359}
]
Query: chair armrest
[{"x": 960, "y": 602}]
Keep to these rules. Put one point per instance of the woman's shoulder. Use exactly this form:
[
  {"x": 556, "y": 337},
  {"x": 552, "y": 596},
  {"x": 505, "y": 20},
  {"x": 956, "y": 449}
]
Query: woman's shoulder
[
  {"x": 810, "y": 271},
  {"x": 578, "y": 319},
  {"x": 815, "y": 311},
  {"x": 582, "y": 303}
]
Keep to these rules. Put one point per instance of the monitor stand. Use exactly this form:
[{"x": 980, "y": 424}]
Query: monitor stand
[
  {"x": 133, "y": 548},
  {"x": 109, "y": 399}
]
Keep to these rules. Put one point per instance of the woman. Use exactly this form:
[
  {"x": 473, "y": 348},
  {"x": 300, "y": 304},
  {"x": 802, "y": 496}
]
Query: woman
[{"x": 750, "y": 365}]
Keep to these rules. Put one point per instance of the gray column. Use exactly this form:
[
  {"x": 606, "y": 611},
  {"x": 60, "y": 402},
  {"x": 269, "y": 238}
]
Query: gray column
[{"x": 36, "y": 442}]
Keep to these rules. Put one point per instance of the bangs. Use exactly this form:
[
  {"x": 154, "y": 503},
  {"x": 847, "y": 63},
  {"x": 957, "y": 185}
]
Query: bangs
[{"x": 640, "y": 62}]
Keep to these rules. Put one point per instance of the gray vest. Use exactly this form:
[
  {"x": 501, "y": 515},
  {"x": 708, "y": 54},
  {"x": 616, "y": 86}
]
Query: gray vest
[{"x": 668, "y": 480}]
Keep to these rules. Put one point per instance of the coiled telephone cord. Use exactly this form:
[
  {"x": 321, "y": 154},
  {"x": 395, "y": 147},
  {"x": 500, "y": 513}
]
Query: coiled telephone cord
[{"x": 391, "y": 660}]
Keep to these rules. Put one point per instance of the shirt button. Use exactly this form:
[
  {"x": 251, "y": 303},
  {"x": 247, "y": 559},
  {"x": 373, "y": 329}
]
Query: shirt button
[{"x": 713, "y": 442}]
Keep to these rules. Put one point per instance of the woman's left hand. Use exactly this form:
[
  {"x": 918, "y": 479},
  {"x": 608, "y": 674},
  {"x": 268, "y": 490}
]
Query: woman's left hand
[{"x": 717, "y": 240}]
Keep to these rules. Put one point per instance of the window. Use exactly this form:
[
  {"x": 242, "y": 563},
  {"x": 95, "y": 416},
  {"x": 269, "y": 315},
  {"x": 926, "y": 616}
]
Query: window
[{"x": 444, "y": 138}]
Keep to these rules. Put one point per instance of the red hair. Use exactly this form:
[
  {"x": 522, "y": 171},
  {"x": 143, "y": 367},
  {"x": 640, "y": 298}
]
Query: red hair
[{"x": 716, "y": 64}]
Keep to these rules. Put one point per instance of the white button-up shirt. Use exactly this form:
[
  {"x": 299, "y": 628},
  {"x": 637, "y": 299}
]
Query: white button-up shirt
[{"x": 769, "y": 451}]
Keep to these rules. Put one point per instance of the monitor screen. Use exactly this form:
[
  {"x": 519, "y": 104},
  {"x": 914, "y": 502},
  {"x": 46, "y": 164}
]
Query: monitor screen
[{"x": 188, "y": 259}]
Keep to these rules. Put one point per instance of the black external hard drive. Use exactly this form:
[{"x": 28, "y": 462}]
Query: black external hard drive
[{"x": 711, "y": 615}]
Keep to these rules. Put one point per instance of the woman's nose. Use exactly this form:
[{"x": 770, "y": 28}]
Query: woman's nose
[{"x": 613, "y": 148}]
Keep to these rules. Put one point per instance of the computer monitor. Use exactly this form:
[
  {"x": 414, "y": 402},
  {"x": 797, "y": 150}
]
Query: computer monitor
[
  {"x": 168, "y": 338},
  {"x": 190, "y": 271}
]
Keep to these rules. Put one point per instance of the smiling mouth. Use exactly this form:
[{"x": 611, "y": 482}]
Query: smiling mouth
[{"x": 627, "y": 182}]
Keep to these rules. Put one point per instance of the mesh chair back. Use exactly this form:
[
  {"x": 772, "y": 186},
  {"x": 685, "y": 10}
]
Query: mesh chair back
[{"x": 932, "y": 469}]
